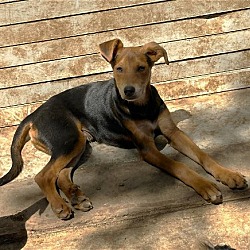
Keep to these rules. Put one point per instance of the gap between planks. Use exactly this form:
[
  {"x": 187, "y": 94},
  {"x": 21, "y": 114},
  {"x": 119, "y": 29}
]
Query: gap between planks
[{"x": 114, "y": 19}]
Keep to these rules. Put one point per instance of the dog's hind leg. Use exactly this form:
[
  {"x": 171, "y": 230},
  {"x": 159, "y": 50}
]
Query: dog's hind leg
[
  {"x": 46, "y": 179},
  {"x": 72, "y": 191}
]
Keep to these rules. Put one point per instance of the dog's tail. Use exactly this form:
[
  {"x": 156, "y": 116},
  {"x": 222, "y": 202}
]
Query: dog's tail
[{"x": 19, "y": 140}]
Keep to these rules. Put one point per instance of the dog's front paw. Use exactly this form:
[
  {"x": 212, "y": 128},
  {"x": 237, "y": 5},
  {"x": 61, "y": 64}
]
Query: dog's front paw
[
  {"x": 232, "y": 179},
  {"x": 209, "y": 192}
]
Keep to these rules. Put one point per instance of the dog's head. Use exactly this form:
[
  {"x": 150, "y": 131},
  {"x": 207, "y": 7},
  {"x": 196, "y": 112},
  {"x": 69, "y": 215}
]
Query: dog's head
[{"x": 132, "y": 67}]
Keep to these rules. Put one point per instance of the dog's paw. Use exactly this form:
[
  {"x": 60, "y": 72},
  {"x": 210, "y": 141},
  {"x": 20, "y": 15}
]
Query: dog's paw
[
  {"x": 209, "y": 192},
  {"x": 82, "y": 203},
  {"x": 62, "y": 211},
  {"x": 233, "y": 180},
  {"x": 79, "y": 200}
]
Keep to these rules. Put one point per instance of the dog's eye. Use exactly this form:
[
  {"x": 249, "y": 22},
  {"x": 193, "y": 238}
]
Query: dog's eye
[
  {"x": 119, "y": 69},
  {"x": 141, "y": 68}
]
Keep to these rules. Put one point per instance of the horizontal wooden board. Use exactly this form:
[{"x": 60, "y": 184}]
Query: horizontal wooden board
[
  {"x": 161, "y": 73},
  {"x": 10, "y": 1},
  {"x": 209, "y": 45},
  {"x": 42, "y": 91},
  {"x": 93, "y": 64},
  {"x": 113, "y": 19},
  {"x": 36, "y": 10},
  {"x": 12, "y": 116},
  {"x": 194, "y": 86},
  {"x": 88, "y": 44},
  {"x": 218, "y": 82}
]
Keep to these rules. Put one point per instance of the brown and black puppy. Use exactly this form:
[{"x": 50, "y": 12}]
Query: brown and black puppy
[{"x": 125, "y": 112}]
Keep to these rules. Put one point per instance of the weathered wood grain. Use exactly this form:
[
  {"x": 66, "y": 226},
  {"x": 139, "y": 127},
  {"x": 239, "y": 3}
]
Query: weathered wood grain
[
  {"x": 213, "y": 83},
  {"x": 113, "y": 19},
  {"x": 88, "y": 44},
  {"x": 201, "y": 66},
  {"x": 169, "y": 90},
  {"x": 209, "y": 53},
  {"x": 40, "y": 92},
  {"x": 161, "y": 73},
  {"x": 10, "y": 1},
  {"x": 12, "y": 116},
  {"x": 209, "y": 45},
  {"x": 37, "y": 10},
  {"x": 93, "y": 64}
]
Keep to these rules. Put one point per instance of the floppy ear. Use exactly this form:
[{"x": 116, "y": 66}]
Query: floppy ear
[
  {"x": 109, "y": 49},
  {"x": 154, "y": 51}
]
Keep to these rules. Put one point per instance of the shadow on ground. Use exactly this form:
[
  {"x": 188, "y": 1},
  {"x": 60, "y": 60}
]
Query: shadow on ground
[{"x": 13, "y": 233}]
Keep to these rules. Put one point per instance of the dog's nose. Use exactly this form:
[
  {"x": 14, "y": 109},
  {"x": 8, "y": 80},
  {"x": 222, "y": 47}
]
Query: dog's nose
[{"x": 129, "y": 91}]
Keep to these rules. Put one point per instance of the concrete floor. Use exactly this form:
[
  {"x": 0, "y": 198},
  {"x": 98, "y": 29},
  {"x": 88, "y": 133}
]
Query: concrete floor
[{"x": 137, "y": 206}]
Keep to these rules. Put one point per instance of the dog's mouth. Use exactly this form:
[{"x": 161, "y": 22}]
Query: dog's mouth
[
  {"x": 131, "y": 94},
  {"x": 132, "y": 98},
  {"x": 137, "y": 99}
]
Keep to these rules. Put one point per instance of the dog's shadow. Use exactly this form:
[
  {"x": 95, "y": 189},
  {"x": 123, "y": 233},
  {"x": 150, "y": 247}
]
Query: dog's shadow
[{"x": 13, "y": 233}]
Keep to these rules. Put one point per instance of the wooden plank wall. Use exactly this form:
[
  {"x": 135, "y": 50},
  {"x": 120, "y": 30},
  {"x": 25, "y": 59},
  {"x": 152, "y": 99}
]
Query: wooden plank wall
[{"x": 47, "y": 46}]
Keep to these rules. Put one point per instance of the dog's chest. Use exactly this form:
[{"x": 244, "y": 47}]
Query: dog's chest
[{"x": 110, "y": 132}]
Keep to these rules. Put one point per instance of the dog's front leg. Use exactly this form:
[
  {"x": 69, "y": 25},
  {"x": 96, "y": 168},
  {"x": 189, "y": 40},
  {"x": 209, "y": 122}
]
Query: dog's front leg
[
  {"x": 181, "y": 142},
  {"x": 146, "y": 146}
]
